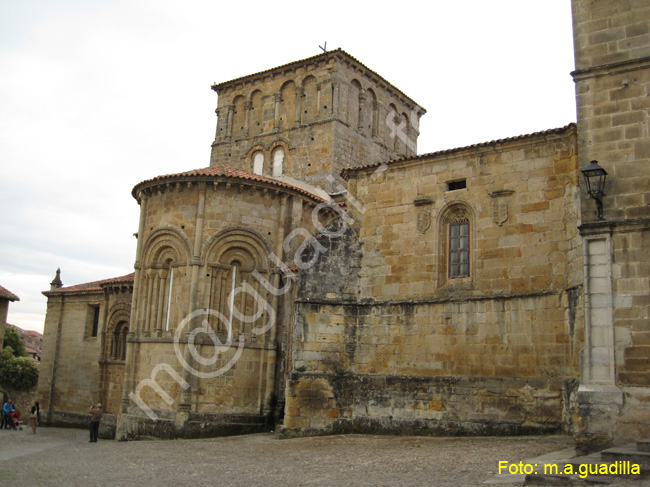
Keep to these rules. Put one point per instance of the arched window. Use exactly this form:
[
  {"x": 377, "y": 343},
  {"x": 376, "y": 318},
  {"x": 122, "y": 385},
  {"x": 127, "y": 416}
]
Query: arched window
[
  {"x": 459, "y": 247},
  {"x": 118, "y": 348},
  {"x": 258, "y": 162},
  {"x": 278, "y": 161},
  {"x": 456, "y": 245}
]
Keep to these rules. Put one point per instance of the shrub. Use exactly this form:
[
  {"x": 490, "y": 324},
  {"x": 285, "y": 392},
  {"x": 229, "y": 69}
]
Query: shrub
[{"x": 20, "y": 373}]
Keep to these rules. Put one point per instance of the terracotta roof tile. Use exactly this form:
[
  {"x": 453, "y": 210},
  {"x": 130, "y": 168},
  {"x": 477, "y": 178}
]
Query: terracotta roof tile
[
  {"x": 6, "y": 294},
  {"x": 91, "y": 286},
  {"x": 560, "y": 130},
  {"x": 221, "y": 171}
]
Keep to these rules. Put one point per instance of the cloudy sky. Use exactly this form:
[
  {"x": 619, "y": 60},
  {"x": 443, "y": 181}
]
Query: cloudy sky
[{"x": 98, "y": 95}]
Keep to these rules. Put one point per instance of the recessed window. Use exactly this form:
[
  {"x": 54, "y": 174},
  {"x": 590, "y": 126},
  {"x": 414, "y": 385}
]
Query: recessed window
[
  {"x": 258, "y": 163},
  {"x": 459, "y": 248},
  {"x": 454, "y": 185},
  {"x": 278, "y": 161}
]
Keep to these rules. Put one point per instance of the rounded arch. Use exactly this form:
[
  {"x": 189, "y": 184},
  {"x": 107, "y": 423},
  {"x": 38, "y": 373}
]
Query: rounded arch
[
  {"x": 117, "y": 314},
  {"x": 256, "y": 120},
  {"x": 238, "y": 117},
  {"x": 166, "y": 244},
  {"x": 256, "y": 158},
  {"x": 310, "y": 99},
  {"x": 288, "y": 104},
  {"x": 245, "y": 246},
  {"x": 353, "y": 103},
  {"x": 370, "y": 113},
  {"x": 456, "y": 230}
]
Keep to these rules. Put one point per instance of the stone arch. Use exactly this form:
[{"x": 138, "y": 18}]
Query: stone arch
[
  {"x": 454, "y": 214},
  {"x": 163, "y": 244},
  {"x": 278, "y": 161},
  {"x": 371, "y": 113},
  {"x": 238, "y": 117},
  {"x": 405, "y": 143},
  {"x": 392, "y": 122},
  {"x": 256, "y": 118},
  {"x": 249, "y": 241},
  {"x": 257, "y": 159},
  {"x": 233, "y": 257},
  {"x": 116, "y": 331},
  {"x": 288, "y": 105},
  {"x": 354, "y": 94},
  {"x": 164, "y": 258},
  {"x": 310, "y": 99}
]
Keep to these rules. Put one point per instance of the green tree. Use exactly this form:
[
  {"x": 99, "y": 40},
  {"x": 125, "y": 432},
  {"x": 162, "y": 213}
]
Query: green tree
[
  {"x": 19, "y": 373},
  {"x": 12, "y": 339}
]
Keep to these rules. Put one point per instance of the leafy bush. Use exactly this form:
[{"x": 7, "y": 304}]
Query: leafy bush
[
  {"x": 12, "y": 339},
  {"x": 20, "y": 373}
]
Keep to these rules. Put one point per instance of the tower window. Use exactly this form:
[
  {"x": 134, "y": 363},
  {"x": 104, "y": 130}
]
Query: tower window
[{"x": 258, "y": 163}]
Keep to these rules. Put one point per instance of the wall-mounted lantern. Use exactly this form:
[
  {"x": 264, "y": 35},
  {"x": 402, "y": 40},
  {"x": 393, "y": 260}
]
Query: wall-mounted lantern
[{"x": 595, "y": 179}]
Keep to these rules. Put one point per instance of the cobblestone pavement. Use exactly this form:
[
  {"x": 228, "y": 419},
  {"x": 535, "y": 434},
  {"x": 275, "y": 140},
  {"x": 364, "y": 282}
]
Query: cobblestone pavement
[{"x": 63, "y": 457}]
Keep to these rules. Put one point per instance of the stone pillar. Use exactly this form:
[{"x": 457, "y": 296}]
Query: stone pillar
[
  {"x": 231, "y": 111},
  {"x": 375, "y": 118},
  {"x": 247, "y": 116},
  {"x": 299, "y": 95},
  {"x": 135, "y": 325},
  {"x": 362, "y": 99},
  {"x": 277, "y": 98},
  {"x": 335, "y": 98},
  {"x": 186, "y": 394},
  {"x": 599, "y": 399}
]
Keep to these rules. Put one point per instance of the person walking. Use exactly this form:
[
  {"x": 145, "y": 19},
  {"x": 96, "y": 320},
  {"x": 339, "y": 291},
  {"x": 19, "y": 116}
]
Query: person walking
[
  {"x": 34, "y": 416},
  {"x": 96, "y": 413}
]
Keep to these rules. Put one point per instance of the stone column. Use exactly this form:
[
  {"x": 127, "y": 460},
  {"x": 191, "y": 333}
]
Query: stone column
[
  {"x": 362, "y": 99},
  {"x": 318, "y": 98},
  {"x": 335, "y": 98},
  {"x": 186, "y": 394},
  {"x": 135, "y": 325},
  {"x": 247, "y": 116},
  {"x": 375, "y": 118},
  {"x": 231, "y": 111},
  {"x": 277, "y": 98},
  {"x": 299, "y": 95}
]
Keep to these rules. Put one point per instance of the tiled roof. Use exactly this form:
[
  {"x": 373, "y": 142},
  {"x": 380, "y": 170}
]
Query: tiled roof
[
  {"x": 6, "y": 294},
  {"x": 220, "y": 171},
  {"x": 560, "y": 130},
  {"x": 92, "y": 286},
  {"x": 336, "y": 52}
]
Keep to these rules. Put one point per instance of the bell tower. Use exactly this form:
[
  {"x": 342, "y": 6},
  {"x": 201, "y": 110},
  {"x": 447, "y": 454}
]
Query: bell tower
[{"x": 312, "y": 118}]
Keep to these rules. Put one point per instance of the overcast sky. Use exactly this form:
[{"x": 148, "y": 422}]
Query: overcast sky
[{"x": 96, "y": 96}]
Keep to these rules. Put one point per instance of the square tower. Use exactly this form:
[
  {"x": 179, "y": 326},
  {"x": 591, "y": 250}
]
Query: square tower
[{"x": 313, "y": 118}]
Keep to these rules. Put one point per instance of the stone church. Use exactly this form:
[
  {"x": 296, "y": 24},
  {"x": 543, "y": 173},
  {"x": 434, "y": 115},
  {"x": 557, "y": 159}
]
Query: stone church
[{"x": 321, "y": 276}]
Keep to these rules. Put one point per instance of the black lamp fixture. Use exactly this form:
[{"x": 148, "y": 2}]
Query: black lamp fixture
[{"x": 595, "y": 179}]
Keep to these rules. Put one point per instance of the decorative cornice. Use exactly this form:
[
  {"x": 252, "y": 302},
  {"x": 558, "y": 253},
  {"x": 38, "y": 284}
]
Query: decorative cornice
[{"x": 611, "y": 68}]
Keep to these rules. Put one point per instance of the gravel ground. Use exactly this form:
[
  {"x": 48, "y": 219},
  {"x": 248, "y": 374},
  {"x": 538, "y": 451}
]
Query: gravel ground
[{"x": 63, "y": 457}]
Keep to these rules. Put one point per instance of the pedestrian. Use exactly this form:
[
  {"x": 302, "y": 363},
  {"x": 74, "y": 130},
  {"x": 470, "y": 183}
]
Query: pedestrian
[
  {"x": 95, "y": 417},
  {"x": 33, "y": 417},
  {"x": 7, "y": 411}
]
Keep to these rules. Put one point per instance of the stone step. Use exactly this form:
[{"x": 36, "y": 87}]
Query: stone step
[
  {"x": 643, "y": 445},
  {"x": 628, "y": 453},
  {"x": 568, "y": 480}
]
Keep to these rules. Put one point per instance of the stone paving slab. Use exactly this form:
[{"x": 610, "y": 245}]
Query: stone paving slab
[{"x": 63, "y": 457}]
